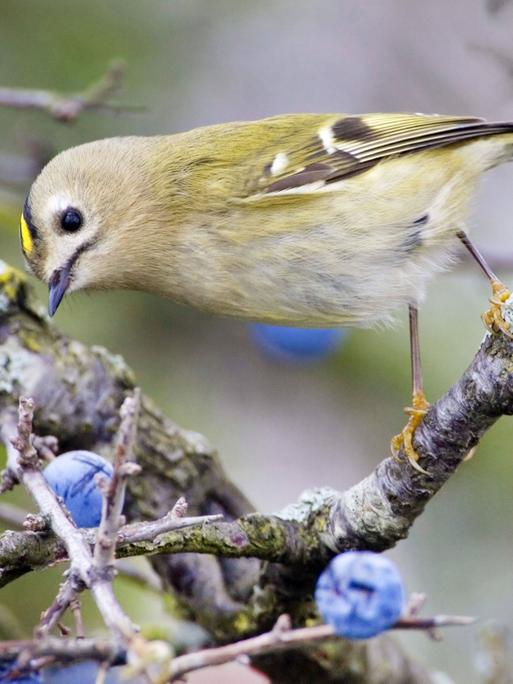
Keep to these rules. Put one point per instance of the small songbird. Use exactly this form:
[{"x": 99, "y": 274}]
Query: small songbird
[{"x": 302, "y": 220}]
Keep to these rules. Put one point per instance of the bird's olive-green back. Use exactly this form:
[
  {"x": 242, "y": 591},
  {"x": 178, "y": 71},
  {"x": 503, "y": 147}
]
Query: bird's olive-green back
[{"x": 288, "y": 154}]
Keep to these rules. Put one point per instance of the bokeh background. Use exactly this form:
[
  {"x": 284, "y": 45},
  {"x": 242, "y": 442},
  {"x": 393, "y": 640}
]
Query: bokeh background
[{"x": 282, "y": 427}]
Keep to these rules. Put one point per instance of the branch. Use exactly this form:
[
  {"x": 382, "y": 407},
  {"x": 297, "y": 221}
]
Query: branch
[
  {"x": 67, "y": 107},
  {"x": 41, "y": 549},
  {"x": 52, "y": 615},
  {"x": 282, "y": 636}
]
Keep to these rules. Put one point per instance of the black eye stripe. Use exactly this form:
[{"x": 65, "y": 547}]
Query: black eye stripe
[
  {"x": 27, "y": 215},
  {"x": 71, "y": 220}
]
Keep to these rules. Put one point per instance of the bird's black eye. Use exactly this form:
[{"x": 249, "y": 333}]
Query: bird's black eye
[{"x": 71, "y": 220}]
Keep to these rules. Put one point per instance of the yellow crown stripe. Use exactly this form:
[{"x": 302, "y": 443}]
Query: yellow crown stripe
[{"x": 26, "y": 238}]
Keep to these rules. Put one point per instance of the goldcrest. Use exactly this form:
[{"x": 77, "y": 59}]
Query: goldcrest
[{"x": 302, "y": 219}]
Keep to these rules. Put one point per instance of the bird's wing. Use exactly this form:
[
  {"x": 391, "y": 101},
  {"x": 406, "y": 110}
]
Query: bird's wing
[{"x": 344, "y": 146}]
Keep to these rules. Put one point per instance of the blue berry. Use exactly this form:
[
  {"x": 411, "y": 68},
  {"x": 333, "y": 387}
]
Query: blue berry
[
  {"x": 7, "y": 669},
  {"x": 85, "y": 672},
  {"x": 72, "y": 477},
  {"x": 360, "y": 594},
  {"x": 296, "y": 344}
]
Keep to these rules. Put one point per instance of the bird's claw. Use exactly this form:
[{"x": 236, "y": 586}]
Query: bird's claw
[
  {"x": 404, "y": 440},
  {"x": 493, "y": 319}
]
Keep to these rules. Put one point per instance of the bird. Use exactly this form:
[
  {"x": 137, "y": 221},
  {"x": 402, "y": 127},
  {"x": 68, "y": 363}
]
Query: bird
[{"x": 312, "y": 220}]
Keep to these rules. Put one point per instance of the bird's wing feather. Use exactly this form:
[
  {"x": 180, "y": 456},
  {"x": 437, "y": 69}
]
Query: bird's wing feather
[{"x": 344, "y": 146}]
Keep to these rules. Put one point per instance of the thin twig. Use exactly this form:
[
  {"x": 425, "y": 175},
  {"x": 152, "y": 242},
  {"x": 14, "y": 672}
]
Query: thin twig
[
  {"x": 63, "y": 630},
  {"x": 75, "y": 607},
  {"x": 67, "y": 107},
  {"x": 282, "y": 636},
  {"x": 102, "y": 566},
  {"x": 179, "y": 510},
  {"x": 149, "y": 531},
  {"x": 114, "y": 490},
  {"x": 52, "y": 615},
  {"x": 416, "y": 601},
  {"x": 47, "y": 447},
  {"x": 145, "y": 531}
]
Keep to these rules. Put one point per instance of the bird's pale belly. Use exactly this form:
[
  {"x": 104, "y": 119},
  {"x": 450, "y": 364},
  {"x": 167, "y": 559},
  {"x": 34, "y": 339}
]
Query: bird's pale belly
[
  {"x": 289, "y": 283},
  {"x": 313, "y": 297}
]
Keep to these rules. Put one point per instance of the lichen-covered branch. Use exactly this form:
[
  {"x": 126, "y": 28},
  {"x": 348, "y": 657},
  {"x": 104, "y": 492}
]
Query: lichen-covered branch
[
  {"x": 379, "y": 511},
  {"x": 78, "y": 392},
  {"x": 40, "y": 548}
]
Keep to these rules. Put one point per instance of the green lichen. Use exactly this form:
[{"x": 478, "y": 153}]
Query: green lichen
[
  {"x": 242, "y": 624},
  {"x": 310, "y": 503},
  {"x": 30, "y": 340},
  {"x": 11, "y": 280}
]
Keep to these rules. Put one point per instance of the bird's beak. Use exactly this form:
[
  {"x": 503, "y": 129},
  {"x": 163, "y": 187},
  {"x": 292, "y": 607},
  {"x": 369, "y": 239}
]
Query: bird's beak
[{"x": 57, "y": 286}]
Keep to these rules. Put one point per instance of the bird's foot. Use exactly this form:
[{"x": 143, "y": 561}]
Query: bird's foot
[
  {"x": 404, "y": 440},
  {"x": 493, "y": 318}
]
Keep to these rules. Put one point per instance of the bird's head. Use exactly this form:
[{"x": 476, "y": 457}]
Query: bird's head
[{"x": 80, "y": 217}]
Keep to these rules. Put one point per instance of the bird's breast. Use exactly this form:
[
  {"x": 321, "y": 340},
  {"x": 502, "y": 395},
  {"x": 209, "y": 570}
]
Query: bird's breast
[{"x": 327, "y": 275}]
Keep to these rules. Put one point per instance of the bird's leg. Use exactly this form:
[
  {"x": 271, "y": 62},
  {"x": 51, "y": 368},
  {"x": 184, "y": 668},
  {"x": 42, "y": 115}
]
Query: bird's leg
[
  {"x": 493, "y": 318},
  {"x": 419, "y": 407}
]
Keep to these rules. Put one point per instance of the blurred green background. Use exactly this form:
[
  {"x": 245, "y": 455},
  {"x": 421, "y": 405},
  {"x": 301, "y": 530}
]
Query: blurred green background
[{"x": 282, "y": 428}]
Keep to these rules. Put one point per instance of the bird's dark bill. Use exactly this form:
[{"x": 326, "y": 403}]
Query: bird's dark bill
[{"x": 57, "y": 287}]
